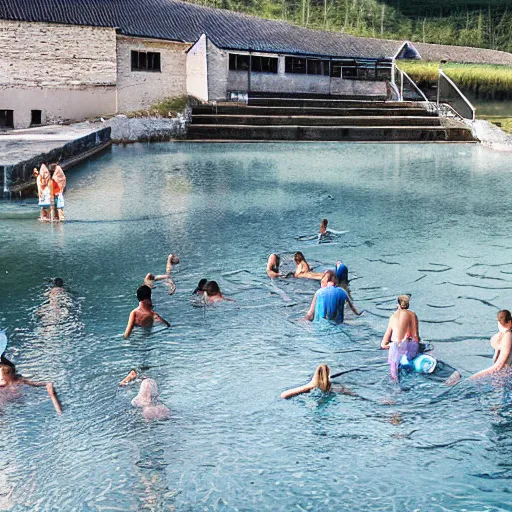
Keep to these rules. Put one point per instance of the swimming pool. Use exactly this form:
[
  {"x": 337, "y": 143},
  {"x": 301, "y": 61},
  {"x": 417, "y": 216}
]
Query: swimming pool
[{"x": 430, "y": 220}]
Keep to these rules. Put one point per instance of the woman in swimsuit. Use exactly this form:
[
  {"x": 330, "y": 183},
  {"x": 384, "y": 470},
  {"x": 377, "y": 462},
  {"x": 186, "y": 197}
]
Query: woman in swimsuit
[
  {"x": 501, "y": 342},
  {"x": 302, "y": 268},
  {"x": 321, "y": 380}
]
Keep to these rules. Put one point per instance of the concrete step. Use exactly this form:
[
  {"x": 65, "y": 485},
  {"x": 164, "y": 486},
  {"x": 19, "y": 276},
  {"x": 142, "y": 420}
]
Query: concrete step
[
  {"x": 233, "y": 119},
  {"x": 309, "y": 95},
  {"x": 328, "y": 133},
  {"x": 328, "y": 103},
  {"x": 311, "y": 111}
]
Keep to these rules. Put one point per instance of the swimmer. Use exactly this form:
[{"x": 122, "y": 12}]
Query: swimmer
[
  {"x": 9, "y": 380},
  {"x": 321, "y": 380},
  {"x": 402, "y": 335},
  {"x": 323, "y": 227},
  {"x": 501, "y": 342},
  {"x": 302, "y": 268},
  {"x": 341, "y": 272},
  {"x": 212, "y": 293},
  {"x": 147, "y": 399},
  {"x": 150, "y": 278},
  {"x": 329, "y": 301},
  {"x": 273, "y": 263},
  {"x": 143, "y": 316},
  {"x": 200, "y": 287},
  {"x": 132, "y": 375}
]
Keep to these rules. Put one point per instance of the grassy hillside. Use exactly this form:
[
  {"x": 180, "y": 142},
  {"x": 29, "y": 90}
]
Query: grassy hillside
[{"x": 486, "y": 24}]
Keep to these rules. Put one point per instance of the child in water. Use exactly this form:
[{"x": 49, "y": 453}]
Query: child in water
[{"x": 143, "y": 316}]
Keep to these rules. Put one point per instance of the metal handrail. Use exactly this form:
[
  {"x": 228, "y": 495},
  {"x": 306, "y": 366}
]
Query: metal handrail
[
  {"x": 403, "y": 75},
  {"x": 442, "y": 74}
]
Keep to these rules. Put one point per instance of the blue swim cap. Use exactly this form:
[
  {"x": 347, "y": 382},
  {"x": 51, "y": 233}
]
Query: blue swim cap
[
  {"x": 3, "y": 342},
  {"x": 424, "y": 363}
]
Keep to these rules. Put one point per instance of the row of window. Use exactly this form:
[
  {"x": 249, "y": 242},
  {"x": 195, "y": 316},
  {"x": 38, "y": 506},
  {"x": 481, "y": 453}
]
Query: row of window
[
  {"x": 300, "y": 65},
  {"x": 7, "y": 118}
]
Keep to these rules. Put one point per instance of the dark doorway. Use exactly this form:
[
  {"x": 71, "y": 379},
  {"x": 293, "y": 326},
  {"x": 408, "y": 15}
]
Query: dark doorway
[
  {"x": 36, "y": 116},
  {"x": 6, "y": 119}
]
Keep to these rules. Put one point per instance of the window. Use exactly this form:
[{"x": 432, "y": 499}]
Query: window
[
  {"x": 336, "y": 69},
  {"x": 145, "y": 61},
  {"x": 6, "y": 118},
  {"x": 263, "y": 64},
  {"x": 295, "y": 65},
  {"x": 238, "y": 62},
  {"x": 300, "y": 65},
  {"x": 35, "y": 117}
]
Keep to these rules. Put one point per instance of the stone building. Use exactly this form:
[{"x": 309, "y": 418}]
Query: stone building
[{"x": 72, "y": 59}]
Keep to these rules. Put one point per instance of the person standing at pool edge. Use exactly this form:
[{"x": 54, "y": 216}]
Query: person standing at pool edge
[{"x": 329, "y": 301}]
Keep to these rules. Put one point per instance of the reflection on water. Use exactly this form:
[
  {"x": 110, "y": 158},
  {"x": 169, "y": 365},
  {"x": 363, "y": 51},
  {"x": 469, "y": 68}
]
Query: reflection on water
[{"x": 427, "y": 220}]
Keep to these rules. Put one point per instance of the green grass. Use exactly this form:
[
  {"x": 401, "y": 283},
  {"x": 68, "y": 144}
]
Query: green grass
[
  {"x": 168, "y": 107},
  {"x": 505, "y": 123},
  {"x": 487, "y": 81}
]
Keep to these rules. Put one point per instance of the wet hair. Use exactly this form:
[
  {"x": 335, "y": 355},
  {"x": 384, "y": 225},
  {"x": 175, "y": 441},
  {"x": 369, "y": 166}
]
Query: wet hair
[
  {"x": 331, "y": 276},
  {"x": 324, "y": 223},
  {"x": 143, "y": 292},
  {"x": 200, "y": 286},
  {"x": 299, "y": 257},
  {"x": 150, "y": 276},
  {"x": 403, "y": 301},
  {"x": 8, "y": 370},
  {"x": 212, "y": 288},
  {"x": 322, "y": 375},
  {"x": 59, "y": 282},
  {"x": 504, "y": 316},
  {"x": 52, "y": 167},
  {"x": 275, "y": 266}
]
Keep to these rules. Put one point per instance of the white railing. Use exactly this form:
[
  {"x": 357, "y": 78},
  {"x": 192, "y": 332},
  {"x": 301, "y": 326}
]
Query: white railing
[
  {"x": 449, "y": 93},
  {"x": 403, "y": 82}
]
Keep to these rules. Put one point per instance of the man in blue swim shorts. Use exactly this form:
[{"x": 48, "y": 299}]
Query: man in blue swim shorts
[{"x": 329, "y": 301}]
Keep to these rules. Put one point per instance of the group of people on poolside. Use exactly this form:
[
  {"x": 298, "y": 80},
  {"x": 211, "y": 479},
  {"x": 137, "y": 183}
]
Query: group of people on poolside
[
  {"x": 51, "y": 183},
  {"x": 401, "y": 338}
]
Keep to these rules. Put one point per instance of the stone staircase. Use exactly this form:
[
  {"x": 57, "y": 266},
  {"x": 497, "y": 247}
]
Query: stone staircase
[{"x": 270, "y": 118}]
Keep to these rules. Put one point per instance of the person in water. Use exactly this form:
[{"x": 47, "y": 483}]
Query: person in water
[
  {"x": 402, "y": 335},
  {"x": 273, "y": 262},
  {"x": 302, "y": 268},
  {"x": 143, "y": 316},
  {"x": 9, "y": 380},
  {"x": 147, "y": 399},
  {"x": 150, "y": 278},
  {"x": 199, "y": 290},
  {"x": 321, "y": 380},
  {"x": 323, "y": 227},
  {"x": 501, "y": 342},
  {"x": 341, "y": 272},
  {"x": 58, "y": 184},
  {"x": 329, "y": 301},
  {"x": 212, "y": 293}
]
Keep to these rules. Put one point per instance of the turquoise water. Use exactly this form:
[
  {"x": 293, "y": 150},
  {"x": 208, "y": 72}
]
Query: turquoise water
[{"x": 430, "y": 220}]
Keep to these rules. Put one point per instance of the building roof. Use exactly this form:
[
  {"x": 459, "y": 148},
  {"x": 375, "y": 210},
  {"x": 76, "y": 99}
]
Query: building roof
[
  {"x": 180, "y": 21},
  {"x": 175, "y": 20},
  {"x": 463, "y": 54}
]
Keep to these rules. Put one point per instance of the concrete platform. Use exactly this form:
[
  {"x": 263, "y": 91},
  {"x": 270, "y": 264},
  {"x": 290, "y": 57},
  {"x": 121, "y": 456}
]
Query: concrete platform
[{"x": 22, "y": 150}]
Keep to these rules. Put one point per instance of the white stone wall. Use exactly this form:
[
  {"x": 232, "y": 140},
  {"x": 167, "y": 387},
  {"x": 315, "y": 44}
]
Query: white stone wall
[
  {"x": 56, "y": 56},
  {"x": 138, "y": 90},
  {"x": 66, "y": 71},
  {"x": 217, "y": 62},
  {"x": 197, "y": 70}
]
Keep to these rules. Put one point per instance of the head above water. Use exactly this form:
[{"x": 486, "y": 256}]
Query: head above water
[
  {"x": 324, "y": 223},
  {"x": 7, "y": 374},
  {"x": 200, "y": 286},
  {"x": 212, "y": 288},
  {"x": 148, "y": 393},
  {"x": 173, "y": 259},
  {"x": 328, "y": 277},
  {"x": 299, "y": 257},
  {"x": 276, "y": 259},
  {"x": 403, "y": 301},
  {"x": 504, "y": 317},
  {"x": 143, "y": 293},
  {"x": 58, "y": 282},
  {"x": 323, "y": 377}
]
